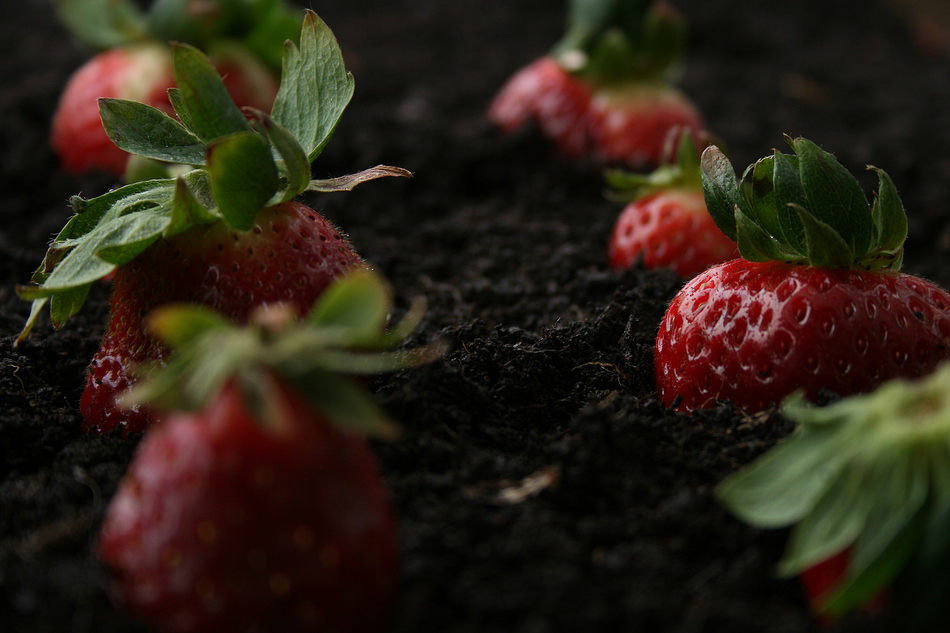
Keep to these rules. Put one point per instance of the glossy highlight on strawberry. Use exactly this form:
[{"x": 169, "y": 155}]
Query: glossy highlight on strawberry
[
  {"x": 753, "y": 333},
  {"x": 666, "y": 224},
  {"x": 817, "y": 301}
]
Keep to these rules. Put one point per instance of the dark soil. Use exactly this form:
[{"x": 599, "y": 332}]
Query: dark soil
[{"x": 549, "y": 381}]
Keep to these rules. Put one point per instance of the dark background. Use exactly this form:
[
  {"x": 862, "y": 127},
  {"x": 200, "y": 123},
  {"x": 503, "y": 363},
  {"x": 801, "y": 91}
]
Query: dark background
[{"x": 550, "y": 373}]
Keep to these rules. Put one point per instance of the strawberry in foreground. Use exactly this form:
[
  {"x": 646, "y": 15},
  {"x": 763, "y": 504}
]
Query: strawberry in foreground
[
  {"x": 226, "y": 234},
  {"x": 606, "y": 90},
  {"x": 256, "y": 503},
  {"x": 134, "y": 62},
  {"x": 865, "y": 485},
  {"x": 817, "y": 300},
  {"x": 666, "y": 224}
]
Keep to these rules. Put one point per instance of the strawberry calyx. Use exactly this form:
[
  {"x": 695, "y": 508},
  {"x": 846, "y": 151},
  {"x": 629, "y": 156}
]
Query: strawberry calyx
[
  {"x": 235, "y": 163},
  {"x": 260, "y": 25},
  {"x": 609, "y": 41},
  {"x": 678, "y": 169},
  {"x": 805, "y": 208},
  {"x": 869, "y": 474},
  {"x": 344, "y": 335}
]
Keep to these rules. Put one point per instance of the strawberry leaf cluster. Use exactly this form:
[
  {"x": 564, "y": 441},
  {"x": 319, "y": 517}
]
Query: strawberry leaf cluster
[
  {"x": 344, "y": 334},
  {"x": 621, "y": 40},
  {"x": 679, "y": 169},
  {"x": 237, "y": 162},
  {"x": 805, "y": 208},
  {"x": 258, "y": 24},
  {"x": 870, "y": 473}
]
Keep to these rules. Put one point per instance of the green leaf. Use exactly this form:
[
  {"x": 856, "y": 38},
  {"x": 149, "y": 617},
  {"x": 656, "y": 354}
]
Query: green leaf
[
  {"x": 315, "y": 86},
  {"x": 243, "y": 177},
  {"x": 755, "y": 243},
  {"x": 890, "y": 220},
  {"x": 721, "y": 191},
  {"x": 781, "y": 487},
  {"x": 862, "y": 586},
  {"x": 789, "y": 194},
  {"x": 347, "y": 403},
  {"x": 201, "y": 100},
  {"x": 361, "y": 304},
  {"x": 146, "y": 131},
  {"x": 103, "y": 24},
  {"x": 834, "y": 195},
  {"x": 824, "y": 246},
  {"x": 64, "y": 305},
  {"x": 178, "y": 325},
  {"x": 186, "y": 211},
  {"x": 295, "y": 164}
]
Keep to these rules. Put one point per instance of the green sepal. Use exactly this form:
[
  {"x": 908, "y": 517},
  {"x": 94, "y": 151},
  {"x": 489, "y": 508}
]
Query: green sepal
[
  {"x": 316, "y": 353},
  {"x": 824, "y": 246},
  {"x": 315, "y": 86},
  {"x": 834, "y": 195},
  {"x": 201, "y": 100},
  {"x": 679, "y": 171},
  {"x": 919, "y": 593},
  {"x": 866, "y": 473},
  {"x": 147, "y": 131},
  {"x": 243, "y": 177},
  {"x": 294, "y": 165},
  {"x": 622, "y": 40},
  {"x": 187, "y": 211},
  {"x": 103, "y": 24},
  {"x": 64, "y": 305},
  {"x": 890, "y": 221},
  {"x": 346, "y": 402},
  {"x": 721, "y": 190},
  {"x": 804, "y": 208}
]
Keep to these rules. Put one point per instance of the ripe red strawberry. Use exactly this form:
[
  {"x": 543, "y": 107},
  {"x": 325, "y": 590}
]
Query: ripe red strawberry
[
  {"x": 140, "y": 72},
  {"x": 860, "y": 483},
  {"x": 605, "y": 91},
  {"x": 225, "y": 234},
  {"x": 290, "y": 255},
  {"x": 256, "y": 504},
  {"x": 818, "y": 302},
  {"x": 666, "y": 224},
  {"x": 224, "y": 524},
  {"x": 135, "y": 64}
]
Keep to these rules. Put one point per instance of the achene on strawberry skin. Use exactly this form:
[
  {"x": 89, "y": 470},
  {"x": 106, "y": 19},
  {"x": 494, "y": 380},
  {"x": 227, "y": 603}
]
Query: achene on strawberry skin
[
  {"x": 227, "y": 234},
  {"x": 256, "y": 504},
  {"x": 134, "y": 62},
  {"x": 666, "y": 224},
  {"x": 817, "y": 301},
  {"x": 605, "y": 92}
]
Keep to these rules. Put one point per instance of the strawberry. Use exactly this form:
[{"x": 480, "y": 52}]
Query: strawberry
[
  {"x": 226, "y": 234},
  {"x": 135, "y": 63},
  {"x": 605, "y": 91},
  {"x": 817, "y": 300},
  {"x": 666, "y": 224},
  {"x": 256, "y": 503},
  {"x": 862, "y": 484}
]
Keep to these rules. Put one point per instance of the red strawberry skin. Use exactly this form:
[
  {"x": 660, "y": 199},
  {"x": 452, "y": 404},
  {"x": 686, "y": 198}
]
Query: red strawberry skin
[
  {"x": 291, "y": 255},
  {"x": 753, "y": 333},
  {"x": 224, "y": 524},
  {"x": 625, "y": 124},
  {"x": 672, "y": 229},
  {"x": 140, "y": 73}
]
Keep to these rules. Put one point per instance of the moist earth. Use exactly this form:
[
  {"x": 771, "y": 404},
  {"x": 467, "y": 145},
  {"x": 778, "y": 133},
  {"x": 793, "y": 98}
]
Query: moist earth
[{"x": 539, "y": 484}]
